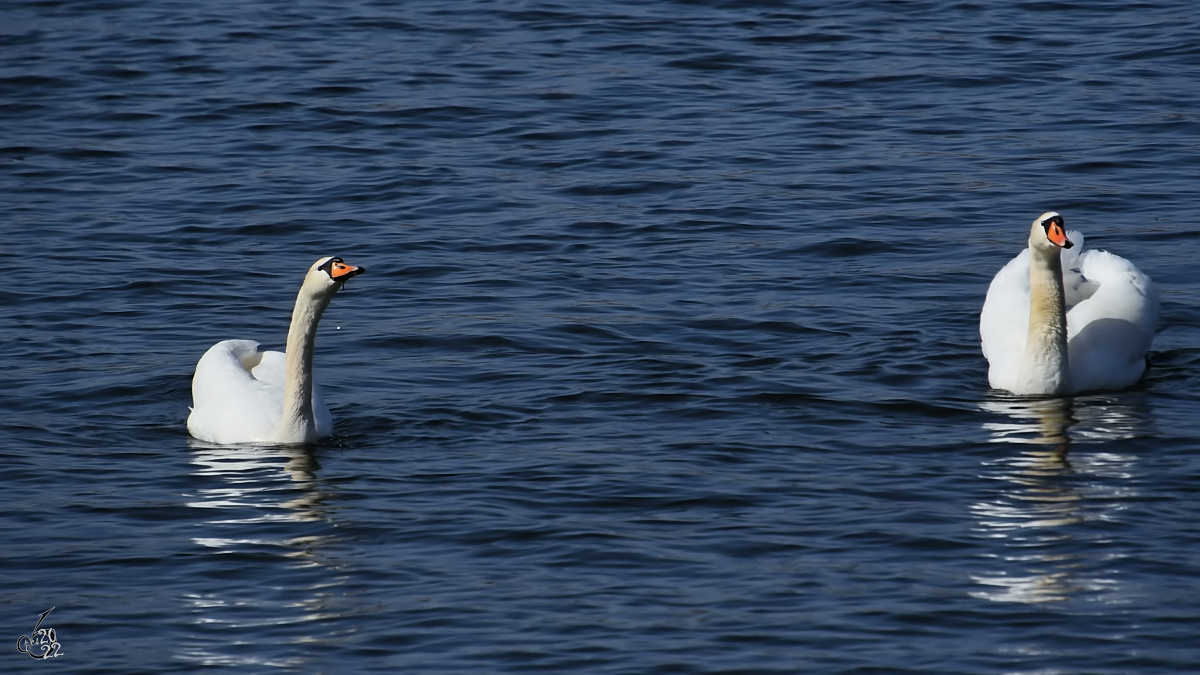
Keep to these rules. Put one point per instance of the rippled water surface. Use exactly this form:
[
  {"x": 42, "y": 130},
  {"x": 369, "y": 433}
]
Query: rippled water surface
[{"x": 666, "y": 361}]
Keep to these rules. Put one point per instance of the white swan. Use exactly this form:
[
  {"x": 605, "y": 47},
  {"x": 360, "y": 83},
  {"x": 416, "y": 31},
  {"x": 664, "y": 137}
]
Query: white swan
[
  {"x": 1035, "y": 346},
  {"x": 242, "y": 395}
]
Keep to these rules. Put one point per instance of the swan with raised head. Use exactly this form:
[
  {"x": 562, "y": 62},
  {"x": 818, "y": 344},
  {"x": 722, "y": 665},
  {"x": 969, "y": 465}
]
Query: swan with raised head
[
  {"x": 1059, "y": 320},
  {"x": 242, "y": 395}
]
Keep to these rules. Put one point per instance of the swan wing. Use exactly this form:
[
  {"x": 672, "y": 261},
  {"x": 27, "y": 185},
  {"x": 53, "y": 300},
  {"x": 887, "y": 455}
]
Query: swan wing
[
  {"x": 1004, "y": 322},
  {"x": 1110, "y": 331},
  {"x": 237, "y": 394},
  {"x": 1076, "y": 287}
]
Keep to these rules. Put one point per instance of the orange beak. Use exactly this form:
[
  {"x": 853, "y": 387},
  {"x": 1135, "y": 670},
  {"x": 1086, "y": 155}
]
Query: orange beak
[
  {"x": 1058, "y": 236},
  {"x": 342, "y": 271}
]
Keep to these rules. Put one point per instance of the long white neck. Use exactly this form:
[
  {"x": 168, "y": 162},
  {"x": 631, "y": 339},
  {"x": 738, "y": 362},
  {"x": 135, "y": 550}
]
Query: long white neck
[
  {"x": 298, "y": 424},
  {"x": 1046, "y": 368}
]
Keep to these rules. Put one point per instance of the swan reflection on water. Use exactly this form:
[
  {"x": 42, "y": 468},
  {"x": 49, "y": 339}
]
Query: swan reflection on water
[
  {"x": 251, "y": 493},
  {"x": 1047, "y": 421},
  {"x": 1047, "y": 494},
  {"x": 253, "y": 477}
]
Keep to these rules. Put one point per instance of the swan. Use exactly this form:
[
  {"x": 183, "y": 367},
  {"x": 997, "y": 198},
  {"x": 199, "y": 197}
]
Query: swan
[
  {"x": 1035, "y": 345},
  {"x": 242, "y": 395}
]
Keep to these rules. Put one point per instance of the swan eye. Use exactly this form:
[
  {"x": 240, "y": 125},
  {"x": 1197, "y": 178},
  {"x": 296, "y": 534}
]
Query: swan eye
[{"x": 330, "y": 265}]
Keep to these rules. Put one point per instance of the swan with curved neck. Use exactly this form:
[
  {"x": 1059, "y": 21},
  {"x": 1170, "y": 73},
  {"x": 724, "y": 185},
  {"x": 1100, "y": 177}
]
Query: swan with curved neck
[
  {"x": 1059, "y": 320},
  {"x": 242, "y": 395}
]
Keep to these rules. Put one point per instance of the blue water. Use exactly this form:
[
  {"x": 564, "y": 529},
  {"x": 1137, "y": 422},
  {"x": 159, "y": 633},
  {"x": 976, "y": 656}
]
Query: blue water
[{"x": 666, "y": 361}]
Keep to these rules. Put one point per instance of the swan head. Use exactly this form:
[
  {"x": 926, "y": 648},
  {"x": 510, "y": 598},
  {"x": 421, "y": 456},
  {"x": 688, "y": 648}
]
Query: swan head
[
  {"x": 1048, "y": 234},
  {"x": 328, "y": 274}
]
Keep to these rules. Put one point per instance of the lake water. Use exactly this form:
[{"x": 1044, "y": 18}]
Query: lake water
[{"x": 667, "y": 358}]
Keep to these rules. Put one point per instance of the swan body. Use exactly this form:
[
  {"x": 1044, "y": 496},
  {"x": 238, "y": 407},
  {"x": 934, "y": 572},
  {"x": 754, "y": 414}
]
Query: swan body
[
  {"x": 243, "y": 395},
  {"x": 1059, "y": 320}
]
